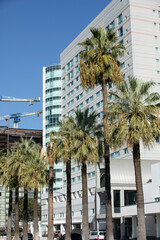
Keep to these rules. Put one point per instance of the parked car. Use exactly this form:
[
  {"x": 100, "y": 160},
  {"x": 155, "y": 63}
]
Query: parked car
[
  {"x": 96, "y": 235},
  {"x": 62, "y": 237},
  {"x": 30, "y": 236},
  {"x": 76, "y": 236},
  {"x": 3, "y": 234}
]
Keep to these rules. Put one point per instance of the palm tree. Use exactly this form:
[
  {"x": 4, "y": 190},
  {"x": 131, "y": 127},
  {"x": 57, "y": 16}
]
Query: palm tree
[
  {"x": 136, "y": 119},
  {"x": 14, "y": 176},
  {"x": 85, "y": 148},
  {"x": 37, "y": 171},
  {"x": 63, "y": 140},
  {"x": 99, "y": 64},
  {"x": 22, "y": 155},
  {"x": 7, "y": 180},
  {"x": 50, "y": 159}
]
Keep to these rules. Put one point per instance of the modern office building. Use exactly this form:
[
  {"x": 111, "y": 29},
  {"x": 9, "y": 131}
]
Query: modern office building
[
  {"x": 52, "y": 110},
  {"x": 7, "y": 139},
  {"x": 137, "y": 24}
]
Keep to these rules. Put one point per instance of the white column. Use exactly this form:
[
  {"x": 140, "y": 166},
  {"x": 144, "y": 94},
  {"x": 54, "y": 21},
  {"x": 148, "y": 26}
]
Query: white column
[
  {"x": 158, "y": 225},
  {"x": 134, "y": 227}
]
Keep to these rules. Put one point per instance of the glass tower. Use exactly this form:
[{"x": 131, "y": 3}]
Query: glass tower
[{"x": 52, "y": 110}]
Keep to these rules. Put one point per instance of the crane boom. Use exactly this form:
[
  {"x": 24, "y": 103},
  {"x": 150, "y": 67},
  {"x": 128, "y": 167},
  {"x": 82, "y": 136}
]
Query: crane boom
[
  {"x": 16, "y": 116},
  {"x": 13, "y": 99}
]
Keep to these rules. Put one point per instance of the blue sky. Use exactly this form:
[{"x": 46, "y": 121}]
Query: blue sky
[{"x": 33, "y": 33}]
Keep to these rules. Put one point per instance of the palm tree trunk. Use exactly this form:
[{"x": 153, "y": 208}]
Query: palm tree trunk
[
  {"x": 16, "y": 235},
  {"x": 35, "y": 214},
  {"x": 25, "y": 215},
  {"x": 50, "y": 204},
  {"x": 108, "y": 203},
  {"x": 68, "y": 207},
  {"x": 9, "y": 225},
  {"x": 85, "y": 223},
  {"x": 139, "y": 187}
]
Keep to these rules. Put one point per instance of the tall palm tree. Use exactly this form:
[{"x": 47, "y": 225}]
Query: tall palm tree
[
  {"x": 50, "y": 160},
  {"x": 63, "y": 140},
  {"x": 85, "y": 148},
  {"x": 99, "y": 64},
  {"x": 22, "y": 155},
  {"x": 37, "y": 170},
  {"x": 135, "y": 113}
]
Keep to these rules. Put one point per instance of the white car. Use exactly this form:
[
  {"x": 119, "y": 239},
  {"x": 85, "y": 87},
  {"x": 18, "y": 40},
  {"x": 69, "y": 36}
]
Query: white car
[{"x": 96, "y": 235}]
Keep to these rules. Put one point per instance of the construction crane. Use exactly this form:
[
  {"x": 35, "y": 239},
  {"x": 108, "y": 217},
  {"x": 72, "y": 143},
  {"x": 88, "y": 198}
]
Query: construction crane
[
  {"x": 16, "y": 117},
  {"x": 13, "y": 99}
]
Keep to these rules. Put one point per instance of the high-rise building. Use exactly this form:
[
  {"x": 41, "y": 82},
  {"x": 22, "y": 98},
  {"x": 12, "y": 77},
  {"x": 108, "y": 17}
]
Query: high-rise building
[
  {"x": 137, "y": 24},
  {"x": 52, "y": 110}
]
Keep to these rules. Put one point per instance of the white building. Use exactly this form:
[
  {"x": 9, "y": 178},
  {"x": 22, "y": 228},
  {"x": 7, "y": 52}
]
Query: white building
[{"x": 137, "y": 23}]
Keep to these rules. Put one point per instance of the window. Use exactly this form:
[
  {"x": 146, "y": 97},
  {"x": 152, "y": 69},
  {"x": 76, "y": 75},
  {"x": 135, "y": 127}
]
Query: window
[
  {"x": 155, "y": 24},
  {"x": 79, "y": 96},
  {"x": 117, "y": 153},
  {"x": 154, "y": 11},
  {"x": 78, "y": 168},
  {"x": 88, "y": 90},
  {"x": 125, "y": 150},
  {"x": 89, "y": 164},
  {"x": 61, "y": 214},
  {"x": 98, "y": 94},
  {"x": 71, "y": 74},
  {"x": 112, "y": 155},
  {"x": 73, "y": 180},
  {"x": 70, "y": 103},
  {"x": 70, "y": 93},
  {"x": 77, "y": 69},
  {"x": 159, "y": 14},
  {"x": 77, "y": 79},
  {"x": 70, "y": 84},
  {"x": 80, "y": 106},
  {"x": 68, "y": 66},
  {"x": 91, "y": 109},
  {"x": 79, "y": 178},
  {"x": 70, "y": 112},
  {"x": 79, "y": 87},
  {"x": 120, "y": 19},
  {"x": 63, "y": 81},
  {"x": 110, "y": 85},
  {"x": 89, "y": 99},
  {"x": 77, "y": 58},
  {"x": 123, "y": 65},
  {"x": 158, "y": 72},
  {"x": 73, "y": 169},
  {"x": 120, "y": 32},
  {"x": 155, "y": 37},
  {"x": 156, "y": 48},
  {"x": 92, "y": 174},
  {"x": 157, "y": 60},
  {"x": 71, "y": 63},
  {"x": 72, "y": 213},
  {"x": 112, "y": 25},
  {"x": 63, "y": 71}
]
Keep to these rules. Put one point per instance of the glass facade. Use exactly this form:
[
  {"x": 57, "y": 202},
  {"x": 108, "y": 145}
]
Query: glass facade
[{"x": 52, "y": 109}]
